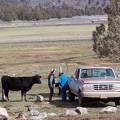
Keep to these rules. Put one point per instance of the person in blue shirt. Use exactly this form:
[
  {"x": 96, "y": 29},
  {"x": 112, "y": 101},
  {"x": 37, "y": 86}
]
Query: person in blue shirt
[
  {"x": 51, "y": 82},
  {"x": 63, "y": 84}
]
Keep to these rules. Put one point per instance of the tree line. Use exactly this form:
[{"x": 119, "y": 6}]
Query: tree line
[{"x": 9, "y": 12}]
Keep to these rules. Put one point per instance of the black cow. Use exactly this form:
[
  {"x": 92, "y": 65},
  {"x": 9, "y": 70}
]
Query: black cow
[{"x": 18, "y": 83}]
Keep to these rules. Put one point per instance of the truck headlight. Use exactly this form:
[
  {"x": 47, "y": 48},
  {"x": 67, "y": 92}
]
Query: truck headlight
[
  {"x": 88, "y": 87},
  {"x": 116, "y": 86}
]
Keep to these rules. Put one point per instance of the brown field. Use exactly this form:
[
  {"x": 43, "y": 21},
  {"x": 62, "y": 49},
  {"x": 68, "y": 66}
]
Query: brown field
[{"x": 35, "y": 57}]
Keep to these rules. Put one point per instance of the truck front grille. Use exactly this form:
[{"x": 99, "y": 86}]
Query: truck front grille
[{"x": 103, "y": 87}]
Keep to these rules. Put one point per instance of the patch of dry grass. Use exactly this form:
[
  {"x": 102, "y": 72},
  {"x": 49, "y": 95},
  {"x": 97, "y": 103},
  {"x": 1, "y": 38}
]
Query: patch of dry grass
[
  {"x": 27, "y": 59},
  {"x": 31, "y": 58},
  {"x": 46, "y": 33}
]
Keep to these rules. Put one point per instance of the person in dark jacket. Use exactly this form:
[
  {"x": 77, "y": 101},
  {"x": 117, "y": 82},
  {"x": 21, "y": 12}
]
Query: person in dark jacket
[
  {"x": 51, "y": 82},
  {"x": 63, "y": 84}
]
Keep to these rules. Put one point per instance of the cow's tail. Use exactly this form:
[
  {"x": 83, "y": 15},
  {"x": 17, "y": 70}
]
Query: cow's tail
[{"x": 2, "y": 91}]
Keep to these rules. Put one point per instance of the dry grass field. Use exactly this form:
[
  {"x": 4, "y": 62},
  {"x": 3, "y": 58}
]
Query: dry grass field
[
  {"x": 46, "y": 33},
  {"x": 36, "y": 50}
]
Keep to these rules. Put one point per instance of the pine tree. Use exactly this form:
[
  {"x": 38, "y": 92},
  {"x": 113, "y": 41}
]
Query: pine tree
[{"x": 107, "y": 43}]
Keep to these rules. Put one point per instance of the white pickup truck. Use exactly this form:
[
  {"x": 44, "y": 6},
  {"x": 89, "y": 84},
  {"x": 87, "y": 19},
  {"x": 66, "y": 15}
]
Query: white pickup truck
[{"x": 97, "y": 83}]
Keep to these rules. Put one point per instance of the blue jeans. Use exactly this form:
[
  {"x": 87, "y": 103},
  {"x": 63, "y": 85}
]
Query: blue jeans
[{"x": 63, "y": 93}]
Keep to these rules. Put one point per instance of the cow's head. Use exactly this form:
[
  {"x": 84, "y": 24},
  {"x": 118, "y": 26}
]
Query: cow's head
[{"x": 36, "y": 79}]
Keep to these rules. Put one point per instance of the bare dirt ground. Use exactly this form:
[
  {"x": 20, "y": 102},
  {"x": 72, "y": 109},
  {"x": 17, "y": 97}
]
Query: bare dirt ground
[
  {"x": 41, "y": 57},
  {"x": 26, "y": 59},
  {"x": 24, "y": 54}
]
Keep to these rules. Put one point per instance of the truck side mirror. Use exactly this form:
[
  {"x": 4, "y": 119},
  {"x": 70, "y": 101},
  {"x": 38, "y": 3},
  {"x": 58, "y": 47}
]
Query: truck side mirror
[
  {"x": 118, "y": 75},
  {"x": 72, "y": 76}
]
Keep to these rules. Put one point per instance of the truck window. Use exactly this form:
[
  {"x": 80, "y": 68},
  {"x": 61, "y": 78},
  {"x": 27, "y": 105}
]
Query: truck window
[{"x": 97, "y": 72}]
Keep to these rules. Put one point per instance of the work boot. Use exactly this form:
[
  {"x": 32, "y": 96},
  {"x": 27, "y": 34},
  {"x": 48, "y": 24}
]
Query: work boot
[{"x": 50, "y": 98}]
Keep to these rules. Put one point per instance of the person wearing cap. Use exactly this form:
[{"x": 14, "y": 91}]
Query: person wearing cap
[
  {"x": 51, "y": 82},
  {"x": 63, "y": 84}
]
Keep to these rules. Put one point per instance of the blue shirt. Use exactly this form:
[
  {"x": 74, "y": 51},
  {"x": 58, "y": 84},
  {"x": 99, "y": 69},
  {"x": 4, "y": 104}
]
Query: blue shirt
[{"x": 63, "y": 79}]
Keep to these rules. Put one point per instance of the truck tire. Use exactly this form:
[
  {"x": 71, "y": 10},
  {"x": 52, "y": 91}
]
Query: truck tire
[
  {"x": 80, "y": 98},
  {"x": 117, "y": 102}
]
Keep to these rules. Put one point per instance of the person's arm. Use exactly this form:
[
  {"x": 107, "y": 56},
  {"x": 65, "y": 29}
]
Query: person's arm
[{"x": 51, "y": 80}]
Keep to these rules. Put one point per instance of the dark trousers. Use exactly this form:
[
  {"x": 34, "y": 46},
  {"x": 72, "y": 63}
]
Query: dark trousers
[
  {"x": 63, "y": 93},
  {"x": 59, "y": 91},
  {"x": 51, "y": 92}
]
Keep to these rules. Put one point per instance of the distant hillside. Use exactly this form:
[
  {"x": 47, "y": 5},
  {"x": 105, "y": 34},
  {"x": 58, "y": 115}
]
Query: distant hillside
[
  {"x": 71, "y": 3},
  {"x": 45, "y": 9}
]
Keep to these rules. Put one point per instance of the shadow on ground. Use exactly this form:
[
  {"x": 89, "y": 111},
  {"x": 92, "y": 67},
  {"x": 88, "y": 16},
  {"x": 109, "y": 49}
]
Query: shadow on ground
[
  {"x": 74, "y": 104},
  {"x": 57, "y": 102}
]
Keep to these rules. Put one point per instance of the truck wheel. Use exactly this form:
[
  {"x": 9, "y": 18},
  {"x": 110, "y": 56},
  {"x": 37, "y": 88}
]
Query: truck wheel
[
  {"x": 117, "y": 102},
  {"x": 71, "y": 96},
  {"x": 80, "y": 99}
]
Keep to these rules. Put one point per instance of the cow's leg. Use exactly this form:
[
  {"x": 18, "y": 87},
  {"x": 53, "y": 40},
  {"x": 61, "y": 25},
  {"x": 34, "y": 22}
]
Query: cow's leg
[
  {"x": 6, "y": 94},
  {"x": 25, "y": 97},
  {"x": 21, "y": 95}
]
